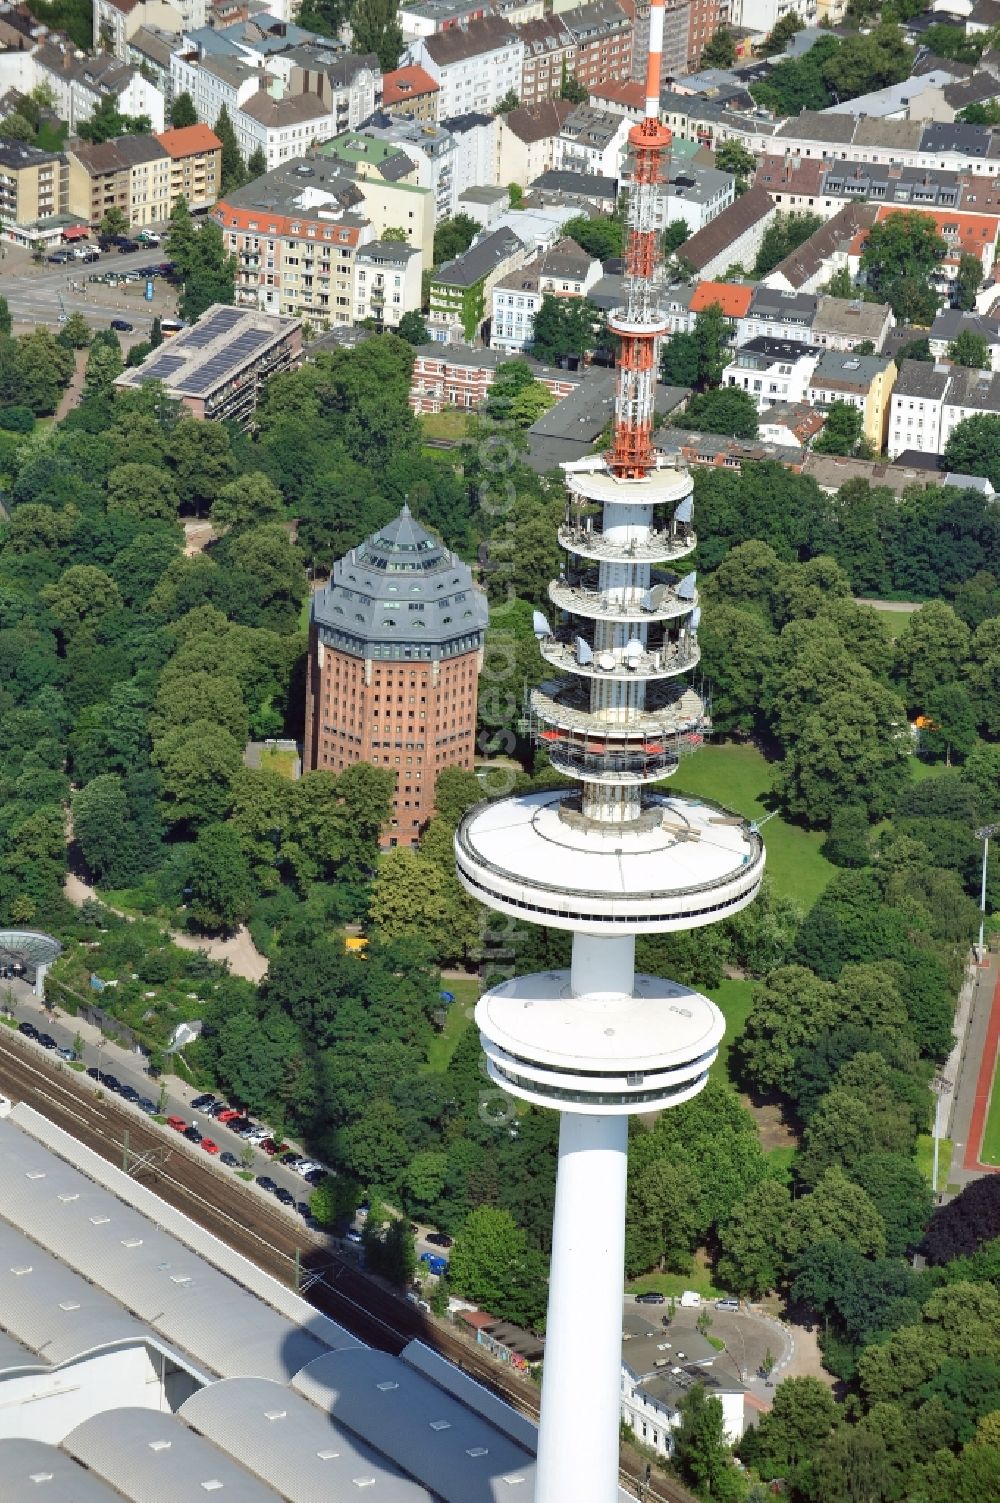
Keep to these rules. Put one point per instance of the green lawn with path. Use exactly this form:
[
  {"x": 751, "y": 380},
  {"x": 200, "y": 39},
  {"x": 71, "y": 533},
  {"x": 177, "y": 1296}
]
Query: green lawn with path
[
  {"x": 740, "y": 778},
  {"x": 467, "y": 991},
  {"x": 733, "y": 998},
  {"x": 990, "y": 1150},
  {"x": 893, "y": 621}
]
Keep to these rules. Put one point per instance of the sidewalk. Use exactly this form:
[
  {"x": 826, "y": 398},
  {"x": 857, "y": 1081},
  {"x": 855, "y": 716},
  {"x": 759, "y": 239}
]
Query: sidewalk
[{"x": 974, "y": 1075}]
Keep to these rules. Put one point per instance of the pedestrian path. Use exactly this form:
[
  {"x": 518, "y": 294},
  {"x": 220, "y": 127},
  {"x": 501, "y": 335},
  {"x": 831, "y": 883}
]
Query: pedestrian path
[{"x": 990, "y": 1008}]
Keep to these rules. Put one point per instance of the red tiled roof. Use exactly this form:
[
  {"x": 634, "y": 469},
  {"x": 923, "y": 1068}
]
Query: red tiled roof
[
  {"x": 732, "y": 297},
  {"x": 407, "y": 83},
  {"x": 189, "y": 140},
  {"x": 628, "y": 92}
]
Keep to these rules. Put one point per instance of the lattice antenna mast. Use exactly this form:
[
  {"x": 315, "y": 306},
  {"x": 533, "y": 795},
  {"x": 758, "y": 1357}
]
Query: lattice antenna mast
[{"x": 641, "y": 323}]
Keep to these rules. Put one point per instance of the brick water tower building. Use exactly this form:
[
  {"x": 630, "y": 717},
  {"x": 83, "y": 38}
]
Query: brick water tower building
[{"x": 395, "y": 647}]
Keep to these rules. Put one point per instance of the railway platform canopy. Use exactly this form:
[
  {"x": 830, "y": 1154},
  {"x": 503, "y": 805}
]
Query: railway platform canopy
[{"x": 27, "y": 954}]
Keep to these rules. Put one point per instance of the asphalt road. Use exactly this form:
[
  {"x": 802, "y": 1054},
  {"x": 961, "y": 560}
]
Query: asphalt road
[{"x": 36, "y": 295}]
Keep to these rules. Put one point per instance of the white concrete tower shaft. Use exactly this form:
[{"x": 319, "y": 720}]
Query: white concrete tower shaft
[{"x": 617, "y": 858}]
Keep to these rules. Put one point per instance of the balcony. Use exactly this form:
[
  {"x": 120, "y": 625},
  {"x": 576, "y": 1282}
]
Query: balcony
[
  {"x": 659, "y": 601},
  {"x": 661, "y": 657},
  {"x": 582, "y": 533}
]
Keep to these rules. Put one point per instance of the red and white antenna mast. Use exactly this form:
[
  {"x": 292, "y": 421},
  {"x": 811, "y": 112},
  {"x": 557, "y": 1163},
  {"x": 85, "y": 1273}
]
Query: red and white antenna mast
[{"x": 641, "y": 323}]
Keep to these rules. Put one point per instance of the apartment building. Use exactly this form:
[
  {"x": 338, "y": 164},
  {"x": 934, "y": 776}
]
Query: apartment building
[
  {"x": 433, "y": 152},
  {"x": 34, "y": 187},
  {"x": 387, "y": 282},
  {"x": 460, "y": 291},
  {"x": 459, "y": 376},
  {"x": 295, "y": 234},
  {"x": 80, "y": 83},
  {"x": 591, "y": 141},
  {"x": 195, "y": 154},
  {"x": 929, "y": 401},
  {"x": 676, "y": 28},
  {"x": 564, "y": 271},
  {"x": 526, "y": 140},
  {"x": 410, "y": 91},
  {"x": 388, "y": 203},
  {"x": 862, "y": 381},
  {"x": 218, "y": 367},
  {"x": 602, "y": 32},
  {"x": 762, "y": 16},
  {"x": 129, "y": 173},
  {"x": 696, "y": 195},
  {"x": 117, "y": 21},
  {"x": 549, "y": 58},
  {"x": 772, "y": 370},
  {"x": 150, "y": 52},
  {"x": 424, "y": 18},
  {"x": 950, "y": 323},
  {"x": 733, "y": 238},
  {"x": 474, "y": 65}
]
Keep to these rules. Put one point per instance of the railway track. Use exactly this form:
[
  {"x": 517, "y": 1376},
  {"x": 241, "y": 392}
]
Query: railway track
[{"x": 241, "y": 1218}]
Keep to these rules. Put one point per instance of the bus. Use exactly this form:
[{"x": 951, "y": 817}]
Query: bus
[{"x": 171, "y": 326}]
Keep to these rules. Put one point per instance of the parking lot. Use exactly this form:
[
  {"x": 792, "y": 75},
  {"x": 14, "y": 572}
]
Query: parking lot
[{"x": 37, "y": 294}]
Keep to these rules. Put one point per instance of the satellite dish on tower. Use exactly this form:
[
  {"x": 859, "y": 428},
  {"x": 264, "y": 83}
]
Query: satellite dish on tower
[
  {"x": 685, "y": 510},
  {"x": 695, "y": 621},
  {"x": 685, "y": 590},
  {"x": 606, "y": 661},
  {"x": 540, "y": 625},
  {"x": 633, "y": 653},
  {"x": 583, "y": 652}
]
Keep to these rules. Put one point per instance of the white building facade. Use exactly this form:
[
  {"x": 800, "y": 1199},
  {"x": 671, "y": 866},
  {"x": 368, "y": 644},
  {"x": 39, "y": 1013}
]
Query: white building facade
[{"x": 473, "y": 66}]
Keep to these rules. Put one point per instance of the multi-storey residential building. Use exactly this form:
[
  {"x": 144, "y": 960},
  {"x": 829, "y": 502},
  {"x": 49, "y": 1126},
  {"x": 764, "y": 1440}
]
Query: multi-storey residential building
[
  {"x": 411, "y": 91},
  {"x": 195, "y": 154},
  {"x": 950, "y": 323},
  {"x": 563, "y": 271},
  {"x": 778, "y": 315},
  {"x": 80, "y": 83},
  {"x": 130, "y": 173},
  {"x": 732, "y": 299},
  {"x": 436, "y": 155},
  {"x": 475, "y": 135},
  {"x": 591, "y": 141},
  {"x": 320, "y": 99},
  {"x": 424, "y": 18},
  {"x": 862, "y": 381},
  {"x": 527, "y": 138},
  {"x": 460, "y": 291},
  {"x": 705, "y": 18},
  {"x": 763, "y": 15},
  {"x": 295, "y": 234},
  {"x": 772, "y": 370},
  {"x": 929, "y": 401},
  {"x": 676, "y": 26},
  {"x": 733, "y": 238},
  {"x": 150, "y": 52},
  {"x": 117, "y": 21},
  {"x": 395, "y": 648},
  {"x": 843, "y": 323},
  {"x": 829, "y": 249},
  {"x": 218, "y": 367},
  {"x": 34, "y": 187},
  {"x": 387, "y": 282},
  {"x": 603, "y": 35},
  {"x": 696, "y": 195},
  {"x": 389, "y": 204},
  {"x": 475, "y": 66},
  {"x": 549, "y": 57}
]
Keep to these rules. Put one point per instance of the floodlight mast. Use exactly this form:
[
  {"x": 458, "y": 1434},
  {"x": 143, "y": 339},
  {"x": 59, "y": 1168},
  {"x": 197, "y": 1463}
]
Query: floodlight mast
[{"x": 611, "y": 859}]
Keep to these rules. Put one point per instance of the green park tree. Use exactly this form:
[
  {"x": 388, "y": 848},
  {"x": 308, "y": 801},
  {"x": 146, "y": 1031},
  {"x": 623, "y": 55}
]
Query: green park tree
[
  {"x": 782, "y": 237},
  {"x": 256, "y": 164},
  {"x": 492, "y": 1264},
  {"x": 6, "y": 322},
  {"x": 104, "y": 364},
  {"x": 222, "y": 890},
  {"x": 854, "y": 749},
  {"x": 602, "y": 237},
  {"x": 726, "y": 410},
  {"x": 734, "y": 157},
  {"x": 843, "y": 430},
  {"x": 566, "y": 326},
  {"x": 802, "y": 1416},
  {"x": 701, "y": 1456},
  {"x": 141, "y": 490},
  {"x": 971, "y": 350},
  {"x": 720, "y": 49},
  {"x": 662, "y": 1224},
  {"x": 751, "y": 1261},
  {"x": 183, "y": 112},
  {"x": 570, "y": 88},
  {"x": 836, "y": 1211},
  {"x": 412, "y": 328},
  {"x": 376, "y": 28},
  {"x": 510, "y": 101},
  {"x": 198, "y": 766},
  {"x": 76, "y": 332},
  {"x": 234, "y": 171},
  {"x": 899, "y": 256},
  {"x": 931, "y": 650},
  {"x": 973, "y": 447},
  {"x": 247, "y": 501},
  {"x": 113, "y": 223},
  {"x": 968, "y": 280},
  {"x": 100, "y": 823},
  {"x": 674, "y": 236}
]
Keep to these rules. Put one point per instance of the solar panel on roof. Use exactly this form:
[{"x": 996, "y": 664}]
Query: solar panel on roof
[{"x": 167, "y": 364}]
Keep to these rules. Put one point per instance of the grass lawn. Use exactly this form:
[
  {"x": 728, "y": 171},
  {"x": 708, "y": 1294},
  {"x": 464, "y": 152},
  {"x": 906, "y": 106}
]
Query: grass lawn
[
  {"x": 698, "y": 1278},
  {"x": 925, "y": 1158},
  {"x": 453, "y": 423},
  {"x": 893, "y": 621},
  {"x": 780, "y": 1160},
  {"x": 442, "y": 1046},
  {"x": 733, "y": 998},
  {"x": 990, "y": 1151},
  {"x": 273, "y": 759},
  {"x": 740, "y": 778}
]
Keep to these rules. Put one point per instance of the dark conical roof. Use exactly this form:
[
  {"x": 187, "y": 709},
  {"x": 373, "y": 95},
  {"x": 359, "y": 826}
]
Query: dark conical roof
[{"x": 401, "y": 594}]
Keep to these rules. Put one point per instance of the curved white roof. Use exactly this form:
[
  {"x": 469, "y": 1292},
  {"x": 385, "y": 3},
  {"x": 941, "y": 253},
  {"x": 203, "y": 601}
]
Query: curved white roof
[
  {"x": 156, "y": 1458},
  {"x": 283, "y": 1439},
  {"x": 25, "y": 1463},
  {"x": 457, "y": 1454}
]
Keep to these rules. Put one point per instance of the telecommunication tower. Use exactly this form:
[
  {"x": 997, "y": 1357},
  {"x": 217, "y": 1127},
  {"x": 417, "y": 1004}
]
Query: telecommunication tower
[{"x": 610, "y": 859}]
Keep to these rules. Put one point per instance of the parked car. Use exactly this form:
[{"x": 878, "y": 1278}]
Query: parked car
[
  {"x": 193, "y": 1134},
  {"x": 315, "y": 1176},
  {"x": 303, "y": 1207},
  {"x": 89, "y": 253},
  {"x": 65, "y": 1052},
  {"x": 60, "y": 258},
  {"x": 28, "y": 1029},
  {"x": 203, "y": 1102},
  {"x": 209, "y": 1145},
  {"x": 145, "y": 1105},
  {"x": 122, "y": 325},
  {"x": 355, "y": 1237},
  {"x": 229, "y": 1159},
  {"x": 266, "y": 1183},
  {"x": 285, "y": 1196},
  {"x": 112, "y": 1082},
  {"x": 727, "y": 1304},
  {"x": 126, "y": 247},
  {"x": 651, "y": 1297},
  {"x": 129, "y": 1093},
  {"x": 433, "y": 1261},
  {"x": 226, "y": 1114},
  {"x": 177, "y": 1123},
  {"x": 439, "y": 1239}
]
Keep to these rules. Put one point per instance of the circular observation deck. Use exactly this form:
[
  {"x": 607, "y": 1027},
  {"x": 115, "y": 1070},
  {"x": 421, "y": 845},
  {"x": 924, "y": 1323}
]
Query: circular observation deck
[
  {"x": 652, "y": 547},
  {"x": 626, "y": 744},
  {"x": 654, "y": 662},
  {"x": 660, "y": 487},
  {"x": 608, "y": 1055},
  {"x": 597, "y": 605},
  {"x": 683, "y": 864}
]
